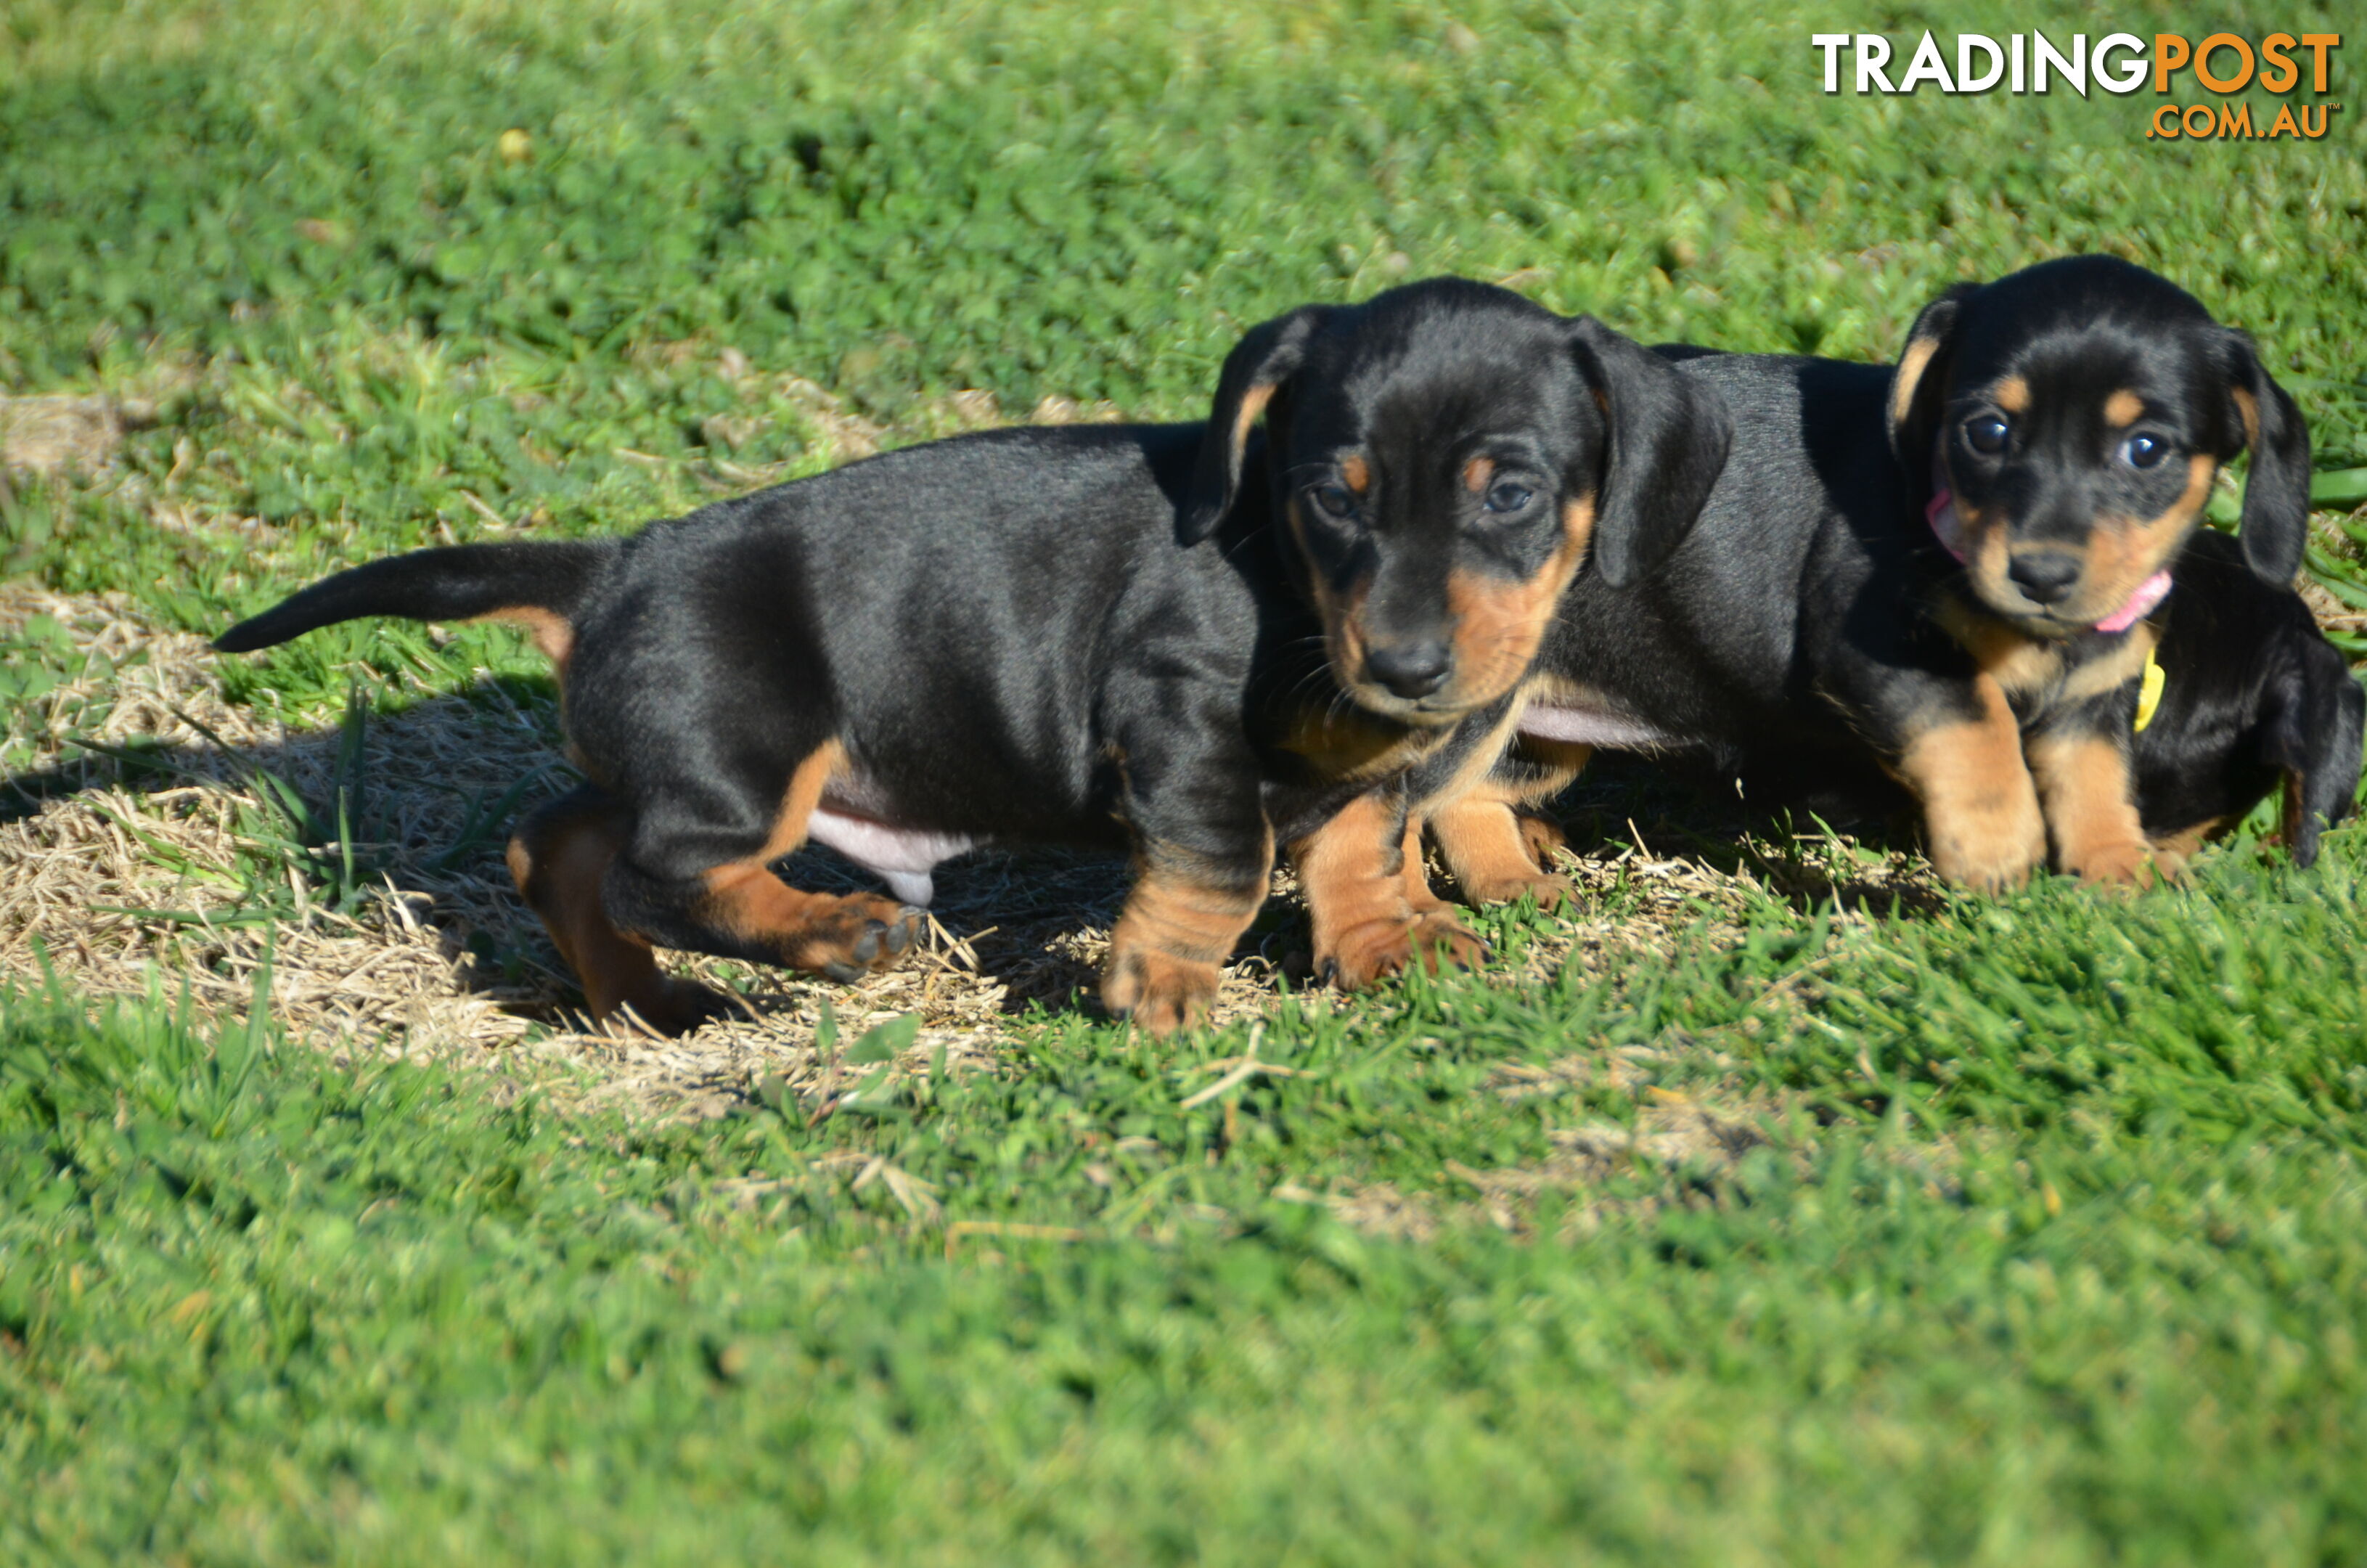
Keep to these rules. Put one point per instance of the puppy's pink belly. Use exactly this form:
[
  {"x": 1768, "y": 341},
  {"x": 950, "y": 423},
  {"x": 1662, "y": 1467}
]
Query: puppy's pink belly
[
  {"x": 904, "y": 858},
  {"x": 1600, "y": 727}
]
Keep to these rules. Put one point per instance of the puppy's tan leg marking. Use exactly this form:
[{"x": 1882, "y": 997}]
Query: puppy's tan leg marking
[
  {"x": 1353, "y": 871},
  {"x": 1980, "y": 809},
  {"x": 559, "y": 867},
  {"x": 1496, "y": 853},
  {"x": 1438, "y": 936},
  {"x": 1419, "y": 894},
  {"x": 1541, "y": 837},
  {"x": 1496, "y": 849},
  {"x": 1178, "y": 925},
  {"x": 841, "y": 936},
  {"x": 2085, "y": 790}
]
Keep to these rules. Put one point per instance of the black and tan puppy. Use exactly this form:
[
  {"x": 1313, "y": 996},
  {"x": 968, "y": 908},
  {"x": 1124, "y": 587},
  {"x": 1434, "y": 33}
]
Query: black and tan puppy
[
  {"x": 1953, "y": 568},
  {"x": 2245, "y": 698},
  {"x": 1082, "y": 634},
  {"x": 1338, "y": 479}
]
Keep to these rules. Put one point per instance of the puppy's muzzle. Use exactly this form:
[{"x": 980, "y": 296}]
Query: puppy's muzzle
[
  {"x": 1411, "y": 670},
  {"x": 2045, "y": 576}
]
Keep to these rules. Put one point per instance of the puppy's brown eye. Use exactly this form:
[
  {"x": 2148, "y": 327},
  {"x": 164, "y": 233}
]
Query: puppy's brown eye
[
  {"x": 1507, "y": 497},
  {"x": 1986, "y": 433},
  {"x": 2144, "y": 451},
  {"x": 1334, "y": 501}
]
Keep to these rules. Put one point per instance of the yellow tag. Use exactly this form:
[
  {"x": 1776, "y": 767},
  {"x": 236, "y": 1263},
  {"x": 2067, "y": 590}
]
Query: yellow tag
[{"x": 2149, "y": 694}]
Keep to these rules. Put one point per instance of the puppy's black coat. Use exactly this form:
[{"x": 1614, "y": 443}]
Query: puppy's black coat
[
  {"x": 1950, "y": 567},
  {"x": 1094, "y": 633},
  {"x": 2254, "y": 699}
]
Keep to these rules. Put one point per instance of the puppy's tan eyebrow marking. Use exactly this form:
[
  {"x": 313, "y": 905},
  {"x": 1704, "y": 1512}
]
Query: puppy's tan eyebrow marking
[
  {"x": 2123, "y": 407},
  {"x": 1476, "y": 472},
  {"x": 2013, "y": 394},
  {"x": 1355, "y": 473}
]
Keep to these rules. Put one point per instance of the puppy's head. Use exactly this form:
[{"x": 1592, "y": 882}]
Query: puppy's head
[
  {"x": 2254, "y": 699},
  {"x": 2078, "y": 411},
  {"x": 1444, "y": 456}
]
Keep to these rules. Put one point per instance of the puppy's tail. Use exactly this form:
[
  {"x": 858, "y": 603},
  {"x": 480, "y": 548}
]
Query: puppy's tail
[{"x": 538, "y": 585}]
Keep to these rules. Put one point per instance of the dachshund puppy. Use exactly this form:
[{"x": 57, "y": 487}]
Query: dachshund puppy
[
  {"x": 1146, "y": 635},
  {"x": 1954, "y": 570},
  {"x": 2245, "y": 697}
]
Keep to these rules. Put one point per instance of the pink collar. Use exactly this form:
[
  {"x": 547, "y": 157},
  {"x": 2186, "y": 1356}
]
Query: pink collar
[{"x": 1941, "y": 515}]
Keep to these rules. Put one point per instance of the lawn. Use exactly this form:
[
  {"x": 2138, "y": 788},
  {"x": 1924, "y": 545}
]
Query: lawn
[{"x": 1771, "y": 1207}]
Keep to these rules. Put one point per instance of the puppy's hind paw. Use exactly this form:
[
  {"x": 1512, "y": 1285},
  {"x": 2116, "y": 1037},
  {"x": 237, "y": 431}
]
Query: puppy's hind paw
[
  {"x": 864, "y": 934},
  {"x": 670, "y": 1008}
]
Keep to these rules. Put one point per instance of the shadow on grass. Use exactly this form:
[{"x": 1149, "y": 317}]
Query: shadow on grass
[
  {"x": 396, "y": 821},
  {"x": 124, "y": 850},
  {"x": 1850, "y": 843}
]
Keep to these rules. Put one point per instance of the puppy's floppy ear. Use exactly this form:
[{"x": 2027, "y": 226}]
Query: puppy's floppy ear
[
  {"x": 2316, "y": 738},
  {"x": 1259, "y": 363},
  {"x": 1668, "y": 435},
  {"x": 2276, "y": 492},
  {"x": 1912, "y": 413}
]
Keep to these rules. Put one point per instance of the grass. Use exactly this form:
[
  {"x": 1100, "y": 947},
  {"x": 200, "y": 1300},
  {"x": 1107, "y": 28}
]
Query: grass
[
  {"x": 2022, "y": 1231},
  {"x": 2048, "y": 1248}
]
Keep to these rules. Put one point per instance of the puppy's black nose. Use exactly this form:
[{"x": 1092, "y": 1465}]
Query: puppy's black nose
[
  {"x": 2043, "y": 576},
  {"x": 1410, "y": 669}
]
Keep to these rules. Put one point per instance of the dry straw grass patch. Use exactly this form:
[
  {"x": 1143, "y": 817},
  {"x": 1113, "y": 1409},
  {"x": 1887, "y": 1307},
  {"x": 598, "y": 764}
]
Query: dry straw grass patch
[
  {"x": 127, "y": 872},
  {"x": 126, "y": 875}
]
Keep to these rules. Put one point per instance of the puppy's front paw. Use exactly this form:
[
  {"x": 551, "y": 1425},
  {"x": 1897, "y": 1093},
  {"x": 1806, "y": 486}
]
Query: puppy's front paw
[
  {"x": 1377, "y": 949},
  {"x": 1983, "y": 869},
  {"x": 1365, "y": 952},
  {"x": 2124, "y": 864},
  {"x": 1551, "y": 890},
  {"x": 1990, "y": 852},
  {"x": 1542, "y": 837},
  {"x": 1440, "y": 940},
  {"x": 1160, "y": 993}
]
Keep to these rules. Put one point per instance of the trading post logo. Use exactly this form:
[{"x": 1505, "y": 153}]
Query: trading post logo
[{"x": 2121, "y": 64}]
